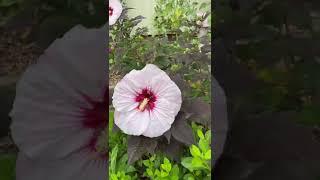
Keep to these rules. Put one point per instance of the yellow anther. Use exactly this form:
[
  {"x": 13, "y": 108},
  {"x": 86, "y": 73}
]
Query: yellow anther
[{"x": 143, "y": 104}]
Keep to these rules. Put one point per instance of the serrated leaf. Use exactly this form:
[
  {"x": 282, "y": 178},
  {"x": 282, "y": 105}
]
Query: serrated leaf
[
  {"x": 138, "y": 146},
  {"x": 200, "y": 110},
  {"x": 181, "y": 83},
  {"x": 181, "y": 131},
  {"x": 168, "y": 135},
  {"x": 172, "y": 150}
]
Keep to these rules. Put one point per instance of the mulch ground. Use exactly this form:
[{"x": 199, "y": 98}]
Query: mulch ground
[{"x": 16, "y": 53}]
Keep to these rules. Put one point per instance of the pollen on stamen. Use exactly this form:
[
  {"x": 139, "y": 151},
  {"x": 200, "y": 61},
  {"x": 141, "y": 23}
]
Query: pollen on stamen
[
  {"x": 146, "y": 100},
  {"x": 143, "y": 104}
]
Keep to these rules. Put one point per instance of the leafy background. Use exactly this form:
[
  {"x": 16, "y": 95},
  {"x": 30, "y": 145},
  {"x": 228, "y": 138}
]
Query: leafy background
[
  {"x": 267, "y": 59},
  {"x": 183, "y": 152}
]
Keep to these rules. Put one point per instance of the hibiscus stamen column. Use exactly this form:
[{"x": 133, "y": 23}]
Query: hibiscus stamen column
[{"x": 143, "y": 104}]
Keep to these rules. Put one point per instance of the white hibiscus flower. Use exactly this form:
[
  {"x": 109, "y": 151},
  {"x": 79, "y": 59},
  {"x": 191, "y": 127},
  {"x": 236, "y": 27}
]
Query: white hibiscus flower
[
  {"x": 146, "y": 102},
  {"x": 115, "y": 10},
  {"x": 59, "y": 112}
]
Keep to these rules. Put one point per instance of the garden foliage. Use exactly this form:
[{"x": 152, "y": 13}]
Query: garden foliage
[
  {"x": 186, "y": 58},
  {"x": 277, "y": 43}
]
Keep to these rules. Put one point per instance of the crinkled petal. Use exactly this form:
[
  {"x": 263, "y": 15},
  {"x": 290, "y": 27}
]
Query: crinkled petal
[
  {"x": 124, "y": 95},
  {"x": 161, "y": 118},
  {"x": 46, "y": 113},
  {"x": 165, "y": 88},
  {"x": 79, "y": 166},
  {"x": 133, "y": 122}
]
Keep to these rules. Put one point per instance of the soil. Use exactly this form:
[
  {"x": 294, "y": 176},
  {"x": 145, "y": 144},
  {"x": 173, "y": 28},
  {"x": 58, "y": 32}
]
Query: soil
[{"x": 16, "y": 53}]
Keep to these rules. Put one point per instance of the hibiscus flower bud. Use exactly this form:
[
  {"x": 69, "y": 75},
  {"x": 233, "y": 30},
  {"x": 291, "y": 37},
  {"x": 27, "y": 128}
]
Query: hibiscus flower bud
[{"x": 146, "y": 102}]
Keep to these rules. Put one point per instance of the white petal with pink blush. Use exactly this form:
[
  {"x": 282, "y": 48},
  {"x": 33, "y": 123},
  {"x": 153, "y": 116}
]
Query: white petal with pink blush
[
  {"x": 115, "y": 10},
  {"x": 146, "y": 102}
]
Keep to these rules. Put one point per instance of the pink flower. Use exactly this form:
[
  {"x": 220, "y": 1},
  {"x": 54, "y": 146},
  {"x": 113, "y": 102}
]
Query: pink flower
[
  {"x": 60, "y": 110},
  {"x": 146, "y": 102},
  {"x": 115, "y": 10}
]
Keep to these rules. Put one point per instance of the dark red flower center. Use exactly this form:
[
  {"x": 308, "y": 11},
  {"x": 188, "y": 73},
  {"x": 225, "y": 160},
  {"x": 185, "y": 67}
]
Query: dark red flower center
[
  {"x": 95, "y": 117},
  {"x": 146, "y": 99},
  {"x": 110, "y": 11}
]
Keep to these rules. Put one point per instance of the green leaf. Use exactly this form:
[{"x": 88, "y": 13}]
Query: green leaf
[
  {"x": 130, "y": 169},
  {"x": 7, "y": 166},
  {"x": 157, "y": 173},
  {"x": 200, "y": 134},
  {"x": 166, "y": 161},
  {"x": 204, "y": 145},
  {"x": 152, "y": 158},
  {"x": 195, "y": 151},
  {"x": 188, "y": 177},
  {"x": 208, "y": 136},
  {"x": 149, "y": 172},
  {"x": 187, "y": 163},
  {"x": 197, "y": 163},
  {"x": 174, "y": 177},
  {"x": 113, "y": 176},
  {"x": 164, "y": 174},
  {"x": 175, "y": 170},
  {"x": 111, "y": 120},
  {"x": 207, "y": 155},
  {"x": 167, "y": 165},
  {"x": 113, "y": 162},
  {"x": 7, "y": 3}
]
